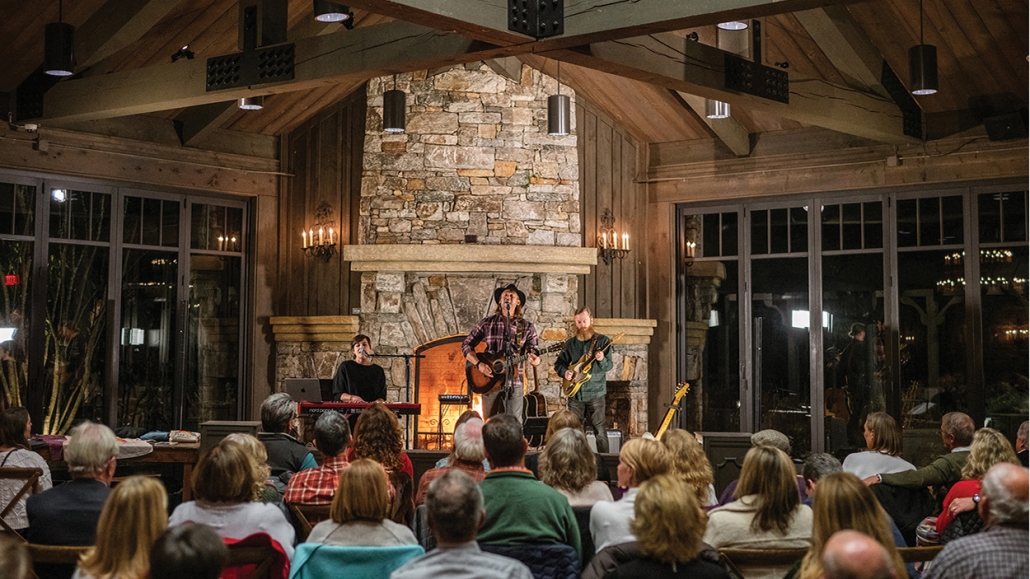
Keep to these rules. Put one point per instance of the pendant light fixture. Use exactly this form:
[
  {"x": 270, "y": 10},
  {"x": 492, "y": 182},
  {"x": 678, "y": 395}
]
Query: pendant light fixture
[
  {"x": 326, "y": 11},
  {"x": 559, "y": 107},
  {"x": 716, "y": 109},
  {"x": 922, "y": 63},
  {"x": 732, "y": 25},
  {"x": 394, "y": 106},
  {"x": 59, "y": 38},
  {"x": 255, "y": 103}
]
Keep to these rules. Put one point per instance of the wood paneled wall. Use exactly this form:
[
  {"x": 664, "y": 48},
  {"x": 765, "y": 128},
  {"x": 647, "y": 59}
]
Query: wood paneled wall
[
  {"x": 324, "y": 155},
  {"x": 610, "y": 161}
]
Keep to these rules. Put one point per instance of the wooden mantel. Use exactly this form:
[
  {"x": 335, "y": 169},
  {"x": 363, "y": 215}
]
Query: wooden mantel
[{"x": 471, "y": 258}]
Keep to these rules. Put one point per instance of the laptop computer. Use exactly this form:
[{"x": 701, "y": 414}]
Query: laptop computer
[{"x": 304, "y": 389}]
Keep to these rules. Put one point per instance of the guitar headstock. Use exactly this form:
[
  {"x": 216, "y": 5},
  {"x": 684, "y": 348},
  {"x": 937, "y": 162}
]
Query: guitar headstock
[{"x": 681, "y": 390}]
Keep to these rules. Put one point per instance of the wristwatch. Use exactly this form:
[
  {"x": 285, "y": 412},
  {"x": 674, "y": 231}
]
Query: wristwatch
[{"x": 976, "y": 499}]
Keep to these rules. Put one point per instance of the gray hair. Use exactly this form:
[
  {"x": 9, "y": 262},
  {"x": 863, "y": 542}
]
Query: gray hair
[
  {"x": 960, "y": 426},
  {"x": 773, "y": 438},
  {"x": 1005, "y": 486},
  {"x": 1024, "y": 431},
  {"x": 89, "y": 450},
  {"x": 277, "y": 411},
  {"x": 468, "y": 441},
  {"x": 453, "y": 506},
  {"x": 332, "y": 433},
  {"x": 820, "y": 464}
]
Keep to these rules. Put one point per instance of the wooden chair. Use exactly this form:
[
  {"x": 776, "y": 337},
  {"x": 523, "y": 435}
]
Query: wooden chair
[
  {"x": 29, "y": 478},
  {"x": 918, "y": 554},
  {"x": 243, "y": 556},
  {"x": 51, "y": 559},
  {"x": 305, "y": 517},
  {"x": 736, "y": 559}
]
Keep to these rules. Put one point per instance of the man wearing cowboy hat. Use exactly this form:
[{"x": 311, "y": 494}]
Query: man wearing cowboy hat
[{"x": 504, "y": 332}]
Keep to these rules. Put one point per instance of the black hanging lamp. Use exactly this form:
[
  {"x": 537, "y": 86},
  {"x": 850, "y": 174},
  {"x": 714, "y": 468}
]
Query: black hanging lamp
[
  {"x": 58, "y": 59},
  {"x": 922, "y": 63},
  {"x": 559, "y": 108},
  {"x": 394, "y": 106},
  {"x": 326, "y": 11}
]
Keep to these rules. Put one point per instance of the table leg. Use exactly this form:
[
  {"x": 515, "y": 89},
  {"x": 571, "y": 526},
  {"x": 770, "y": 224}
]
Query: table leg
[{"x": 187, "y": 482}]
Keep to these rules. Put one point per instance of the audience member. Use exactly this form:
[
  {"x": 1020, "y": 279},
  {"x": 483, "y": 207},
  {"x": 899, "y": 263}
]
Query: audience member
[
  {"x": 191, "y": 550},
  {"x": 690, "y": 464},
  {"x": 14, "y": 558},
  {"x": 286, "y": 454},
  {"x": 883, "y": 444},
  {"x": 134, "y": 517},
  {"x": 817, "y": 465},
  {"x": 264, "y": 490},
  {"x": 68, "y": 514},
  {"x": 462, "y": 419},
  {"x": 773, "y": 439},
  {"x": 1021, "y": 442},
  {"x": 668, "y": 525},
  {"x": 852, "y": 555},
  {"x": 317, "y": 486},
  {"x": 567, "y": 465},
  {"x": 988, "y": 449},
  {"x": 957, "y": 434},
  {"x": 360, "y": 513},
  {"x": 519, "y": 508},
  {"x": 767, "y": 514},
  {"x": 15, "y": 429},
  {"x": 223, "y": 484},
  {"x": 377, "y": 435},
  {"x": 639, "y": 460},
  {"x": 468, "y": 455},
  {"x": 843, "y": 502},
  {"x": 559, "y": 419},
  {"x": 454, "y": 512},
  {"x": 1001, "y": 549}
]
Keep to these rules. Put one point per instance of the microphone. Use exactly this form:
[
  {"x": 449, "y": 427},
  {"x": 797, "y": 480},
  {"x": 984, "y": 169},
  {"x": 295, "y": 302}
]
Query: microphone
[
  {"x": 364, "y": 352},
  {"x": 507, "y": 306}
]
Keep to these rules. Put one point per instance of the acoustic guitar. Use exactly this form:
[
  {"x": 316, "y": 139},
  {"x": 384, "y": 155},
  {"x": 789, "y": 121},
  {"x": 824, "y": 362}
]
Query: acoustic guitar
[
  {"x": 582, "y": 368},
  {"x": 499, "y": 365},
  {"x": 682, "y": 389},
  {"x": 534, "y": 405}
]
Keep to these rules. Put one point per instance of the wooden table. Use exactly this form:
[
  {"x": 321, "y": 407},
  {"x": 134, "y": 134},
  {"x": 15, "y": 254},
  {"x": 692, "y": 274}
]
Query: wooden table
[{"x": 182, "y": 453}]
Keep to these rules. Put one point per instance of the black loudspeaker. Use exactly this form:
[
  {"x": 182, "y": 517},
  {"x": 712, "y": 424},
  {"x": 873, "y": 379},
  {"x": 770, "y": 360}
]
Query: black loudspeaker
[{"x": 1008, "y": 126}]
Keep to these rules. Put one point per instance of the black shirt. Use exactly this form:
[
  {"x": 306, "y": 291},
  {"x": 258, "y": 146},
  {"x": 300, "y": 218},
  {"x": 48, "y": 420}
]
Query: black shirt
[
  {"x": 368, "y": 382},
  {"x": 648, "y": 568}
]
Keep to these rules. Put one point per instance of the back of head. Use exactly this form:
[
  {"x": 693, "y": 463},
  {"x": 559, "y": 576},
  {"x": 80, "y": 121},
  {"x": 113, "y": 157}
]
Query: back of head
[
  {"x": 773, "y": 438},
  {"x": 189, "y": 550},
  {"x": 14, "y": 558},
  {"x": 468, "y": 441},
  {"x": 988, "y": 449},
  {"x": 853, "y": 555},
  {"x": 12, "y": 427},
  {"x": 1006, "y": 487},
  {"x": 886, "y": 434},
  {"x": 224, "y": 474},
  {"x": 1023, "y": 433},
  {"x": 562, "y": 418},
  {"x": 90, "y": 449},
  {"x": 258, "y": 455},
  {"x": 769, "y": 474},
  {"x": 454, "y": 505},
  {"x": 959, "y": 425},
  {"x": 503, "y": 441},
  {"x": 669, "y": 522},
  {"x": 689, "y": 461},
  {"x": 377, "y": 435},
  {"x": 567, "y": 462},
  {"x": 332, "y": 433},
  {"x": 647, "y": 457},
  {"x": 820, "y": 464},
  {"x": 361, "y": 494},
  {"x": 135, "y": 514},
  {"x": 278, "y": 412}
]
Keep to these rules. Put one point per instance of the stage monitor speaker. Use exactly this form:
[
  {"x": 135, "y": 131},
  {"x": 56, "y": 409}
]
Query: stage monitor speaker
[
  {"x": 1007, "y": 126},
  {"x": 213, "y": 431}
]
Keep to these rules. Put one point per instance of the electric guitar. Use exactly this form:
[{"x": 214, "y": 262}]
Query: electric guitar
[
  {"x": 499, "y": 365},
  {"x": 581, "y": 369},
  {"x": 682, "y": 389}
]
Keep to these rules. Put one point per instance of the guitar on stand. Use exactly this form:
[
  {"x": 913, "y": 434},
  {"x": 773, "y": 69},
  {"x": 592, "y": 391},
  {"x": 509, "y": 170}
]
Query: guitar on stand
[
  {"x": 681, "y": 390},
  {"x": 499, "y": 364},
  {"x": 581, "y": 369},
  {"x": 534, "y": 405}
]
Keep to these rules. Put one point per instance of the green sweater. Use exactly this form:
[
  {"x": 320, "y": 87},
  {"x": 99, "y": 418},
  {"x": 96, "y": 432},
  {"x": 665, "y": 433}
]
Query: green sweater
[
  {"x": 942, "y": 472},
  {"x": 521, "y": 509},
  {"x": 597, "y": 386}
]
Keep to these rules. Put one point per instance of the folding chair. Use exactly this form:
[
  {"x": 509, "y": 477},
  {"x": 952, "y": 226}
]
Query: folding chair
[{"x": 305, "y": 517}]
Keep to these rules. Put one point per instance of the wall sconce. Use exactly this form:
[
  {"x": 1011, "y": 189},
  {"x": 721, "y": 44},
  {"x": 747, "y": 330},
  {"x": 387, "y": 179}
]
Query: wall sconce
[
  {"x": 608, "y": 242},
  {"x": 320, "y": 240},
  {"x": 690, "y": 228}
]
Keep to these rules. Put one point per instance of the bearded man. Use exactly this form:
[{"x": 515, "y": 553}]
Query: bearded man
[{"x": 579, "y": 349}]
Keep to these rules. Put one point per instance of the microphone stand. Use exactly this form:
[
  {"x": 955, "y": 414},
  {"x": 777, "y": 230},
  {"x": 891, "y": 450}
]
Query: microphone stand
[
  {"x": 407, "y": 384},
  {"x": 509, "y": 352}
]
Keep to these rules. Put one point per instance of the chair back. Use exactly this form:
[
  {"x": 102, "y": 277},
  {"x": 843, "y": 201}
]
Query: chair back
[
  {"x": 586, "y": 539},
  {"x": 918, "y": 554},
  {"x": 256, "y": 556},
  {"x": 57, "y": 554},
  {"x": 739, "y": 560},
  {"x": 321, "y": 561},
  {"x": 420, "y": 527},
  {"x": 29, "y": 481},
  {"x": 551, "y": 561},
  {"x": 402, "y": 508},
  {"x": 305, "y": 517}
]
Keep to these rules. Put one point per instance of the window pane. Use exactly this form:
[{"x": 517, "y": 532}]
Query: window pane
[
  {"x": 990, "y": 217},
  {"x": 82, "y": 215},
  {"x": 929, "y": 221},
  {"x": 873, "y": 219},
  {"x": 1014, "y": 212},
  {"x": 1005, "y": 336},
  {"x": 852, "y": 219},
  {"x": 721, "y": 379},
  {"x": 17, "y": 208},
  {"x": 170, "y": 224},
  {"x": 798, "y": 230},
  {"x": 759, "y": 232},
  {"x": 906, "y": 223},
  {"x": 729, "y": 234},
  {"x": 151, "y": 222},
  {"x": 951, "y": 209},
  {"x": 710, "y": 244},
  {"x": 778, "y": 231},
  {"x": 133, "y": 232},
  {"x": 15, "y": 296},
  {"x": 831, "y": 227}
]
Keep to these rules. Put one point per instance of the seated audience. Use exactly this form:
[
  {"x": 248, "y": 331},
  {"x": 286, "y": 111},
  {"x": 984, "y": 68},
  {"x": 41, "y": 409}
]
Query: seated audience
[
  {"x": 1001, "y": 549},
  {"x": 462, "y": 419},
  {"x": 454, "y": 511},
  {"x": 1021, "y": 443},
  {"x": 286, "y": 454},
  {"x": 817, "y": 465},
  {"x": 317, "y": 486},
  {"x": 852, "y": 555},
  {"x": 68, "y": 514},
  {"x": 519, "y": 508},
  {"x": 223, "y": 484},
  {"x": 134, "y": 517},
  {"x": 264, "y": 489},
  {"x": 843, "y": 502},
  {"x": 668, "y": 525},
  {"x": 988, "y": 449},
  {"x": 567, "y": 465},
  {"x": 767, "y": 514},
  {"x": 15, "y": 430},
  {"x": 774, "y": 439},
  {"x": 468, "y": 456},
  {"x": 191, "y": 550},
  {"x": 14, "y": 558},
  {"x": 565, "y": 418},
  {"x": 360, "y": 513},
  {"x": 883, "y": 454},
  {"x": 639, "y": 460},
  {"x": 957, "y": 434},
  {"x": 377, "y": 435},
  {"x": 690, "y": 464}
]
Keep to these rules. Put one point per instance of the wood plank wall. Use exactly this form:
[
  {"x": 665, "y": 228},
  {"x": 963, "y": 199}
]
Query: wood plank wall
[
  {"x": 610, "y": 161},
  {"x": 325, "y": 156}
]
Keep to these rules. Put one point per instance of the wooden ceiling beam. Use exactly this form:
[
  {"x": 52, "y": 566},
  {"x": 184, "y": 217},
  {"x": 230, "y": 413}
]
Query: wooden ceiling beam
[
  {"x": 729, "y": 130},
  {"x": 117, "y": 24},
  {"x": 846, "y": 46},
  {"x": 200, "y": 121}
]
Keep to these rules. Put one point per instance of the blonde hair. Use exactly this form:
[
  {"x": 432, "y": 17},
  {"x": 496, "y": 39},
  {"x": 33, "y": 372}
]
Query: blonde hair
[
  {"x": 842, "y": 502},
  {"x": 988, "y": 449},
  {"x": 258, "y": 455},
  {"x": 669, "y": 522},
  {"x": 361, "y": 494},
  {"x": 567, "y": 462},
  {"x": 224, "y": 474},
  {"x": 562, "y": 418},
  {"x": 647, "y": 457},
  {"x": 134, "y": 516},
  {"x": 886, "y": 435},
  {"x": 689, "y": 462},
  {"x": 768, "y": 473}
]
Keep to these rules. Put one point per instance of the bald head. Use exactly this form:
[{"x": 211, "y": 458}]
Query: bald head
[
  {"x": 853, "y": 555},
  {"x": 1005, "y": 489}
]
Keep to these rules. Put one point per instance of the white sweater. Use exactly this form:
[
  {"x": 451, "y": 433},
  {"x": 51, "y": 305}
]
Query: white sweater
[
  {"x": 873, "y": 462},
  {"x": 238, "y": 521}
]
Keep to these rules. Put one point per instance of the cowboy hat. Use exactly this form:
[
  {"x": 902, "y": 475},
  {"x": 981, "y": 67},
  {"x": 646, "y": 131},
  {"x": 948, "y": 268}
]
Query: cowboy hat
[{"x": 511, "y": 286}]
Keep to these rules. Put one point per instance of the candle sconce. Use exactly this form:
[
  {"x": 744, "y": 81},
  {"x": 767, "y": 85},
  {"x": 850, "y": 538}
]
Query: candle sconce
[
  {"x": 608, "y": 240},
  {"x": 320, "y": 240},
  {"x": 691, "y": 227}
]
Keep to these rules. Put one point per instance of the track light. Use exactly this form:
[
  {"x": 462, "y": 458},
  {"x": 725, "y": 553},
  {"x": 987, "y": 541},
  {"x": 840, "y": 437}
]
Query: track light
[
  {"x": 58, "y": 59},
  {"x": 183, "y": 52},
  {"x": 733, "y": 25},
  {"x": 716, "y": 109},
  {"x": 559, "y": 108},
  {"x": 394, "y": 106},
  {"x": 922, "y": 63},
  {"x": 326, "y": 11},
  {"x": 255, "y": 103}
]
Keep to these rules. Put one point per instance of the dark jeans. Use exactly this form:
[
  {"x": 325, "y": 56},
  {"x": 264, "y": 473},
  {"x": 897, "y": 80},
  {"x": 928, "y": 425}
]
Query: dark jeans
[{"x": 597, "y": 416}]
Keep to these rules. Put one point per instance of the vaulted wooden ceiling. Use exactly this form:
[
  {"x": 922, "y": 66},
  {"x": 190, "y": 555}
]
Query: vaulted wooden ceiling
[{"x": 651, "y": 84}]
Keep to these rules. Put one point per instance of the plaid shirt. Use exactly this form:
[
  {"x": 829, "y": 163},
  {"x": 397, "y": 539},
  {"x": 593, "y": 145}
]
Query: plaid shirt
[
  {"x": 316, "y": 486},
  {"x": 491, "y": 331},
  {"x": 575, "y": 349},
  {"x": 473, "y": 469},
  {"x": 994, "y": 552}
]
